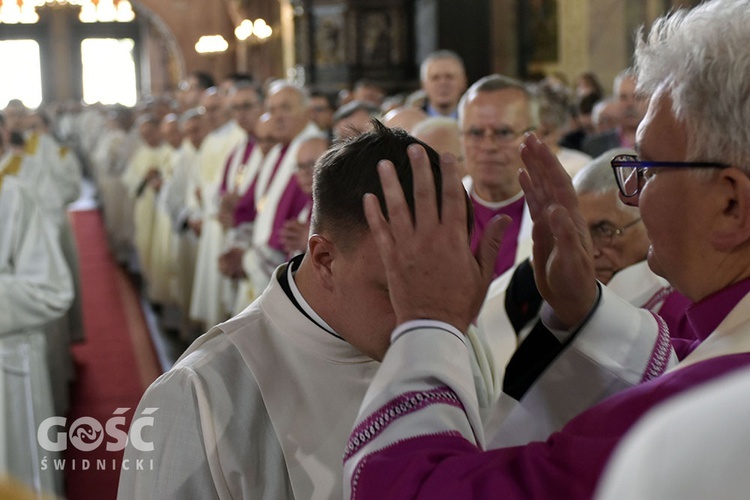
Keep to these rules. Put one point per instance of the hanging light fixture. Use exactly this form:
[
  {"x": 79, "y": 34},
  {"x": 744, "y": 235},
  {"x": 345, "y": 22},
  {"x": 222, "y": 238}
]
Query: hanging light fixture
[
  {"x": 256, "y": 31},
  {"x": 211, "y": 44},
  {"x": 92, "y": 11}
]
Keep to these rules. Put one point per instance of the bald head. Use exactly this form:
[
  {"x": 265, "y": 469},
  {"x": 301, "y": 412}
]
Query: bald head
[
  {"x": 405, "y": 117},
  {"x": 443, "y": 135},
  {"x": 288, "y": 106}
]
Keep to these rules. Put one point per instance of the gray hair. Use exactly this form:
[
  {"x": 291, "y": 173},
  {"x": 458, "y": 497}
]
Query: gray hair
[
  {"x": 702, "y": 56},
  {"x": 279, "y": 85},
  {"x": 554, "y": 108},
  {"x": 496, "y": 82},
  {"x": 622, "y": 75},
  {"x": 596, "y": 111},
  {"x": 434, "y": 56},
  {"x": 435, "y": 123},
  {"x": 352, "y": 107},
  {"x": 188, "y": 115},
  {"x": 597, "y": 178}
]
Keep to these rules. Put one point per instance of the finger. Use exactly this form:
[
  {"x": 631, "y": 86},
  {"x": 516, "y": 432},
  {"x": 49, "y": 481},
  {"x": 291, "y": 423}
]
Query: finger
[
  {"x": 425, "y": 204},
  {"x": 378, "y": 226},
  {"x": 490, "y": 245},
  {"x": 557, "y": 179},
  {"x": 535, "y": 172},
  {"x": 540, "y": 234},
  {"x": 543, "y": 161},
  {"x": 558, "y": 186},
  {"x": 453, "y": 193},
  {"x": 530, "y": 195},
  {"x": 565, "y": 231},
  {"x": 399, "y": 216},
  {"x": 543, "y": 243}
]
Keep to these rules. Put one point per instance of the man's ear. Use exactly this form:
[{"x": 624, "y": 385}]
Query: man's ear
[
  {"x": 322, "y": 253},
  {"x": 733, "y": 225}
]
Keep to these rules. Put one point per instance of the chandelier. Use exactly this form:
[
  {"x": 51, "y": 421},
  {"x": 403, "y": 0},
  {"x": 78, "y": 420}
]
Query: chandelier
[{"x": 92, "y": 11}]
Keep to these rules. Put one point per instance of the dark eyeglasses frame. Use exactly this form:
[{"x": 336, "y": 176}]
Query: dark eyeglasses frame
[{"x": 621, "y": 162}]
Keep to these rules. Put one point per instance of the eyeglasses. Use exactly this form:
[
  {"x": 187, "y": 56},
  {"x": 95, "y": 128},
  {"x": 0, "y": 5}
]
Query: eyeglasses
[
  {"x": 629, "y": 171},
  {"x": 604, "y": 233},
  {"x": 504, "y": 135}
]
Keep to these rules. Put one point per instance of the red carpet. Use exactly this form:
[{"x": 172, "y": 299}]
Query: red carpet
[{"x": 114, "y": 365}]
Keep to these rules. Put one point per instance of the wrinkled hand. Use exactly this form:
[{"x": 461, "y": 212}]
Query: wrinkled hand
[
  {"x": 230, "y": 263},
  {"x": 562, "y": 255},
  {"x": 227, "y": 206},
  {"x": 294, "y": 236},
  {"x": 430, "y": 269}
]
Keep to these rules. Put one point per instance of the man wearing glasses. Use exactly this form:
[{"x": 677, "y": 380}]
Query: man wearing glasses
[
  {"x": 417, "y": 434},
  {"x": 493, "y": 116},
  {"x": 511, "y": 312}
]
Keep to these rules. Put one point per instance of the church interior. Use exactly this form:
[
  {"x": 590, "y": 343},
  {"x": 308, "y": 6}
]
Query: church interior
[{"x": 126, "y": 122}]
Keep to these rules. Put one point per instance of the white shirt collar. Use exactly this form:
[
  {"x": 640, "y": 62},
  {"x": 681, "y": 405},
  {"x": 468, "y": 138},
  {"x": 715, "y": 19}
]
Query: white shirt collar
[{"x": 303, "y": 303}]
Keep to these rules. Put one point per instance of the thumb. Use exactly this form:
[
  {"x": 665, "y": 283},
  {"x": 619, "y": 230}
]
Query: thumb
[{"x": 490, "y": 244}]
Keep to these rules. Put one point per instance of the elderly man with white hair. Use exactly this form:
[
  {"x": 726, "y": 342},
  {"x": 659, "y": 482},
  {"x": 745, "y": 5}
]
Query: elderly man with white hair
[{"x": 510, "y": 319}]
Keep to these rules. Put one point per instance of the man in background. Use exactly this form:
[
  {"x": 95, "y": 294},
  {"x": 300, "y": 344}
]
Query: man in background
[{"x": 443, "y": 78}]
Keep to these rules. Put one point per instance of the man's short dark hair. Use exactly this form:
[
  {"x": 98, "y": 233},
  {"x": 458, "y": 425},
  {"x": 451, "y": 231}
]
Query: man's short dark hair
[
  {"x": 330, "y": 100},
  {"x": 204, "y": 79},
  {"x": 348, "y": 171},
  {"x": 238, "y": 77},
  {"x": 586, "y": 104}
]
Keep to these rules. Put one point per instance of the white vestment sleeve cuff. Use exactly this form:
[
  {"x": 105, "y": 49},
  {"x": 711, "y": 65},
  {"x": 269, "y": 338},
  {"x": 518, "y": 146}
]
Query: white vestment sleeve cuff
[{"x": 418, "y": 324}]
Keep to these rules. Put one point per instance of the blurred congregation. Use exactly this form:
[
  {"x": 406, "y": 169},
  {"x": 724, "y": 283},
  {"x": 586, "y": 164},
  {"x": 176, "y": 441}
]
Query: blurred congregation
[
  {"x": 205, "y": 193},
  {"x": 205, "y": 185}
]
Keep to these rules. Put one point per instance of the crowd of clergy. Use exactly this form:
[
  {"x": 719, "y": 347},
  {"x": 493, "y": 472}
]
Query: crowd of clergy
[
  {"x": 202, "y": 190},
  {"x": 206, "y": 190}
]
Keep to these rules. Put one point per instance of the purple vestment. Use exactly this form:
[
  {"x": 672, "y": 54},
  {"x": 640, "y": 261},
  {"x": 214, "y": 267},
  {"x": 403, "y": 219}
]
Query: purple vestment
[
  {"x": 506, "y": 255},
  {"x": 568, "y": 465}
]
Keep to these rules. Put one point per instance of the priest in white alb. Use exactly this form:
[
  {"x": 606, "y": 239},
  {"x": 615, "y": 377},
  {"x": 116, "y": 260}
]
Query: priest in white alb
[
  {"x": 259, "y": 407},
  {"x": 225, "y": 135}
]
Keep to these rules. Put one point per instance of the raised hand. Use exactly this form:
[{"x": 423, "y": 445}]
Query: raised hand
[
  {"x": 431, "y": 271},
  {"x": 562, "y": 257}
]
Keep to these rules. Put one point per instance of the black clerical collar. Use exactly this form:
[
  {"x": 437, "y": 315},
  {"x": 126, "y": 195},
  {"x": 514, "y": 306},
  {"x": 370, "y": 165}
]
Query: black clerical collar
[{"x": 284, "y": 280}]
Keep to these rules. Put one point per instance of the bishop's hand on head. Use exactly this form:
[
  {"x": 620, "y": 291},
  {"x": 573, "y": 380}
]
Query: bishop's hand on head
[
  {"x": 562, "y": 256},
  {"x": 431, "y": 271}
]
